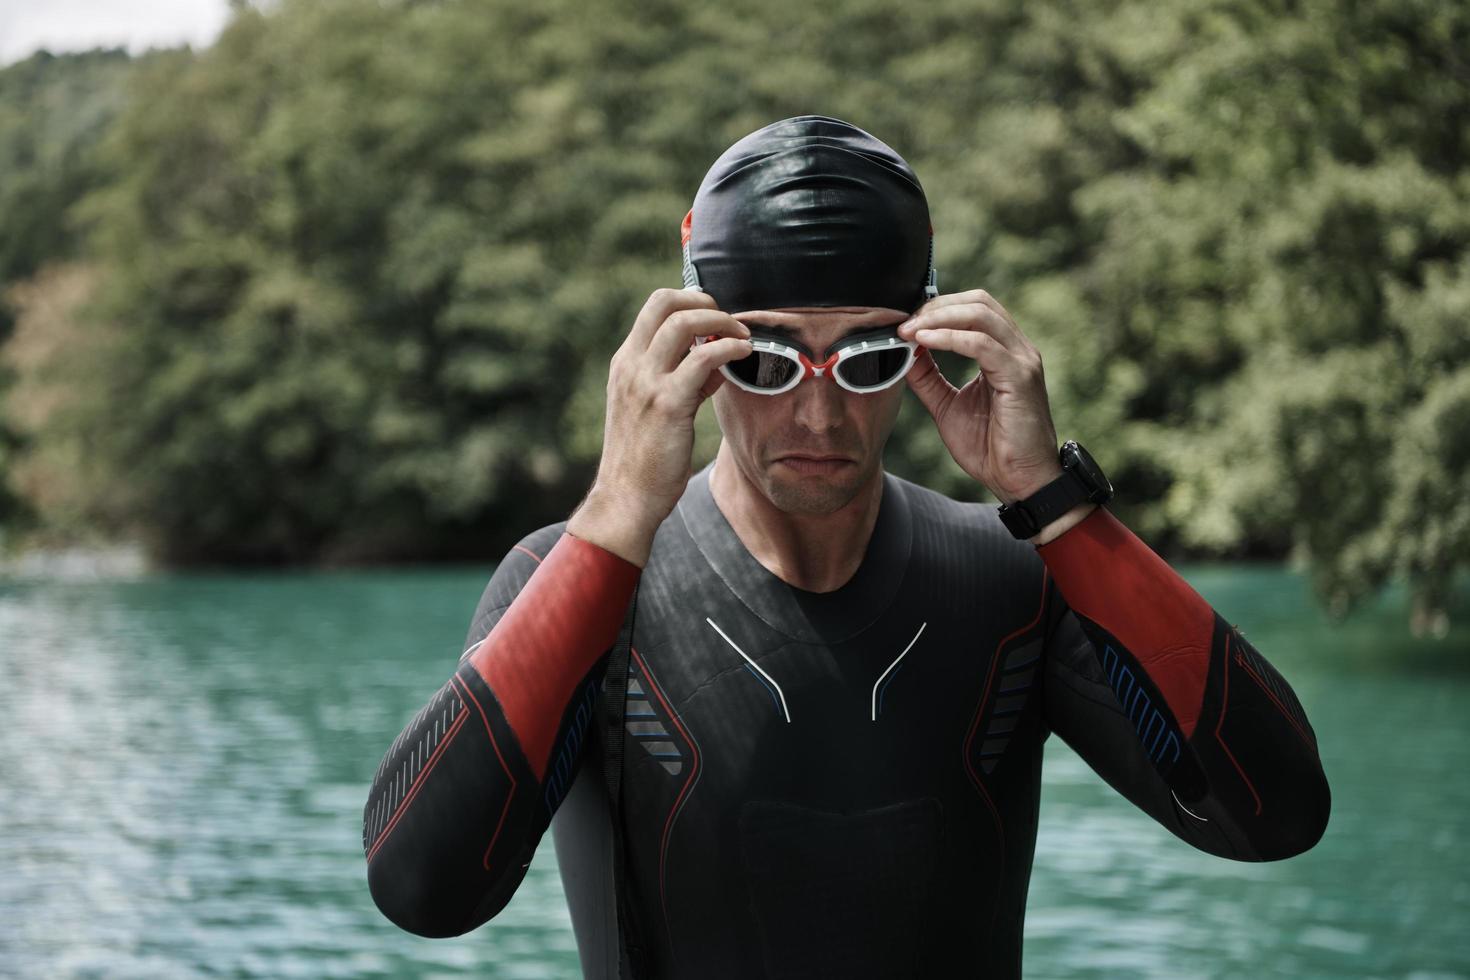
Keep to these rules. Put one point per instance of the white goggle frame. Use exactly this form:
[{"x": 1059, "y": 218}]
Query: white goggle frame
[{"x": 807, "y": 369}]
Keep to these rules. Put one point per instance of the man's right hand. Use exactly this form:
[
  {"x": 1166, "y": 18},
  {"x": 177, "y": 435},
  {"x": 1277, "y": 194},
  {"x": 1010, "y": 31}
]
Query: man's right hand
[{"x": 655, "y": 386}]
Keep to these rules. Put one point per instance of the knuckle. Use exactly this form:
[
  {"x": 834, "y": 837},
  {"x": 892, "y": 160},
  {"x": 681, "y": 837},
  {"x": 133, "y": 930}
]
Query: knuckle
[{"x": 693, "y": 323}]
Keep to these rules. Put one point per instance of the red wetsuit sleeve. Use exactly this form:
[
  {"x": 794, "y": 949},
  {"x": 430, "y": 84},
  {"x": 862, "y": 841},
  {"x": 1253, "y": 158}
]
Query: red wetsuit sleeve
[
  {"x": 467, "y": 790},
  {"x": 567, "y": 615},
  {"x": 1170, "y": 703},
  {"x": 1111, "y": 577}
]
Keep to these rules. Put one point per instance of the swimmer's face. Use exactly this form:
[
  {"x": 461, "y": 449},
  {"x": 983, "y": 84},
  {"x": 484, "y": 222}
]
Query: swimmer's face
[{"x": 817, "y": 418}]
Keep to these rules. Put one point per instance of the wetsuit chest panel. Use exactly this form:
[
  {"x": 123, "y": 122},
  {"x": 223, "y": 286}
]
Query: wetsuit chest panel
[
  {"x": 743, "y": 741},
  {"x": 763, "y": 763},
  {"x": 890, "y": 731},
  {"x": 841, "y": 894}
]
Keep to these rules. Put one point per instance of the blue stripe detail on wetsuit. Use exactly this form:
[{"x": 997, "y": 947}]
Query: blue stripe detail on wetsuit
[
  {"x": 654, "y": 735},
  {"x": 1160, "y": 739},
  {"x": 1016, "y": 677},
  {"x": 563, "y": 765}
]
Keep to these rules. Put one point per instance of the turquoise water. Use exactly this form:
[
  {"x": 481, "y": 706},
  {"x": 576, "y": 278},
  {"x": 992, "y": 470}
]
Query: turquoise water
[{"x": 184, "y": 763}]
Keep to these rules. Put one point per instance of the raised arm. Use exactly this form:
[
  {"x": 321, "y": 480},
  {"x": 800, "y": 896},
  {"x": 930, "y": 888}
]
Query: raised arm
[
  {"x": 465, "y": 793},
  {"x": 1171, "y": 704}
]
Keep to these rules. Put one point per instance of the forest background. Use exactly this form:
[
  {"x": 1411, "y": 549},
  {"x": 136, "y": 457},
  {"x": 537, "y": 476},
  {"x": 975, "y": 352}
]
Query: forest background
[{"x": 343, "y": 286}]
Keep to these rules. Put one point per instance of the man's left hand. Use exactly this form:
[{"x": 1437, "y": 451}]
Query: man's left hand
[{"x": 998, "y": 426}]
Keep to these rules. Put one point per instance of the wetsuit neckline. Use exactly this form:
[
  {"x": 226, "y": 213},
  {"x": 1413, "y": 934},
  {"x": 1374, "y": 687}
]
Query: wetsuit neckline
[{"x": 826, "y": 617}]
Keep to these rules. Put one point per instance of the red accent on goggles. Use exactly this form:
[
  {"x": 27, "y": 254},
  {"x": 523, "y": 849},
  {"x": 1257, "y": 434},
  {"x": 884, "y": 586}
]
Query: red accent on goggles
[{"x": 861, "y": 364}]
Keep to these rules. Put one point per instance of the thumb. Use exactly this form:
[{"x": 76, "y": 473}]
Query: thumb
[
  {"x": 929, "y": 383},
  {"x": 711, "y": 385}
]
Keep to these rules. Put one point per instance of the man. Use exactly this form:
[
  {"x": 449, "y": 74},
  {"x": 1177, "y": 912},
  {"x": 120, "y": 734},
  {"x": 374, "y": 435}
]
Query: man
[{"x": 839, "y": 682}]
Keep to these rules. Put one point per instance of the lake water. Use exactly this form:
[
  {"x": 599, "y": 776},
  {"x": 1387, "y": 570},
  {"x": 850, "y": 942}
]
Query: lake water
[{"x": 184, "y": 760}]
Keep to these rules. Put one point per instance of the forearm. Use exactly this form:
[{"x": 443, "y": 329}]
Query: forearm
[
  {"x": 1063, "y": 524},
  {"x": 564, "y": 619},
  {"x": 618, "y": 525},
  {"x": 1112, "y": 579},
  {"x": 455, "y": 812},
  {"x": 1214, "y": 718},
  {"x": 468, "y": 788}
]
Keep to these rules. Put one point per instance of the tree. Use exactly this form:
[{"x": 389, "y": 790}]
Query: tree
[
  {"x": 52, "y": 111},
  {"x": 370, "y": 260}
]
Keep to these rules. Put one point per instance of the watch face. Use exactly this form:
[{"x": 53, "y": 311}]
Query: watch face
[{"x": 1088, "y": 469}]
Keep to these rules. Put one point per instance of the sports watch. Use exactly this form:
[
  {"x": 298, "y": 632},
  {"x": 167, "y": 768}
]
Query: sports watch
[{"x": 1081, "y": 480}]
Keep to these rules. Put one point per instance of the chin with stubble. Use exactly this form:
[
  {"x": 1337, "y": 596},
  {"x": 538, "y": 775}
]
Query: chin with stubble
[{"x": 821, "y": 493}]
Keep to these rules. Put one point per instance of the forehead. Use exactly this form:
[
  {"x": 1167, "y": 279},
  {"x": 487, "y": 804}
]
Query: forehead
[{"x": 819, "y": 327}]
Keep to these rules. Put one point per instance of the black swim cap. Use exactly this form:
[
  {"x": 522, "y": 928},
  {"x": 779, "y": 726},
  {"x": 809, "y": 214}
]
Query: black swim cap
[{"x": 810, "y": 211}]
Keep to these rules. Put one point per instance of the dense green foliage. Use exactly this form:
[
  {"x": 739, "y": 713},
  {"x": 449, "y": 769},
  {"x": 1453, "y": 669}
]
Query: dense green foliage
[
  {"x": 52, "y": 111},
  {"x": 356, "y": 270}
]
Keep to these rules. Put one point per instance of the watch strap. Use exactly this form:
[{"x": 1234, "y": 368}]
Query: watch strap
[{"x": 1026, "y": 518}]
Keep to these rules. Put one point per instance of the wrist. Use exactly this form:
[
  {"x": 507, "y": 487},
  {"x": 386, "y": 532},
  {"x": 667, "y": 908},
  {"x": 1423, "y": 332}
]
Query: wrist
[
  {"x": 1035, "y": 483},
  {"x": 1063, "y": 524},
  {"x": 613, "y": 524}
]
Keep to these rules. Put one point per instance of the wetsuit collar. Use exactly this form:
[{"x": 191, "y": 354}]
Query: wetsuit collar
[{"x": 825, "y": 617}]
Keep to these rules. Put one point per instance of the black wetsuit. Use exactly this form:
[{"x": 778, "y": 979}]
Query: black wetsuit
[{"x": 836, "y": 784}]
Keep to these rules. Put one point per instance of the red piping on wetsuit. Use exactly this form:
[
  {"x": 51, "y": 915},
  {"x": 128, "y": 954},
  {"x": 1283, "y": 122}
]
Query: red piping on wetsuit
[
  {"x": 565, "y": 618},
  {"x": 1110, "y": 576}
]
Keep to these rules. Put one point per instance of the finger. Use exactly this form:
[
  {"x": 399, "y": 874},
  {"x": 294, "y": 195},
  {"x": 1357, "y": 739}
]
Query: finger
[
  {"x": 711, "y": 385},
  {"x": 675, "y": 335},
  {"x": 929, "y": 383},
  {"x": 696, "y": 374},
  {"x": 982, "y": 313},
  {"x": 947, "y": 299},
  {"x": 968, "y": 316},
  {"x": 999, "y": 364},
  {"x": 985, "y": 299},
  {"x": 965, "y": 316},
  {"x": 660, "y": 305},
  {"x": 969, "y": 296}
]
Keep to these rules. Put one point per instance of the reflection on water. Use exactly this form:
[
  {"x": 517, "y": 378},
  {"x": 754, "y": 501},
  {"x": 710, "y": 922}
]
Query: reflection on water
[{"x": 184, "y": 763}]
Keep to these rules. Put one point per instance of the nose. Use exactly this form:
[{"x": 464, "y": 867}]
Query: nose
[{"x": 819, "y": 403}]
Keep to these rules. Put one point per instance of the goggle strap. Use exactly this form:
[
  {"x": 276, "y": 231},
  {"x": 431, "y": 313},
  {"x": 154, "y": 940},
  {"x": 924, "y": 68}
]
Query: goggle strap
[
  {"x": 691, "y": 275},
  {"x": 931, "y": 288}
]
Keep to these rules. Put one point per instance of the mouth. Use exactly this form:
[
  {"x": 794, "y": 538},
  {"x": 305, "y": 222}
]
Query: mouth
[{"x": 804, "y": 463}]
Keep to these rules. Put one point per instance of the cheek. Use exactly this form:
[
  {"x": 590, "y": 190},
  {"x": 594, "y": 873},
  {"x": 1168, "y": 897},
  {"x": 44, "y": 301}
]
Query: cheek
[
  {"x": 882, "y": 404},
  {"x": 734, "y": 412},
  {"x": 884, "y": 413}
]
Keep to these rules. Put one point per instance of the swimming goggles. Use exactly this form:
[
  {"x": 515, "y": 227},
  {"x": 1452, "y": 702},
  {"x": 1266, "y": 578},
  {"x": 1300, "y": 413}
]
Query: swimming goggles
[{"x": 862, "y": 364}]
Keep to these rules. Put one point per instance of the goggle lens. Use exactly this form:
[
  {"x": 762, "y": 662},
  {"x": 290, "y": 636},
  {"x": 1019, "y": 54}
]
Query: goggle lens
[
  {"x": 761, "y": 369},
  {"x": 863, "y": 365},
  {"x": 873, "y": 367}
]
